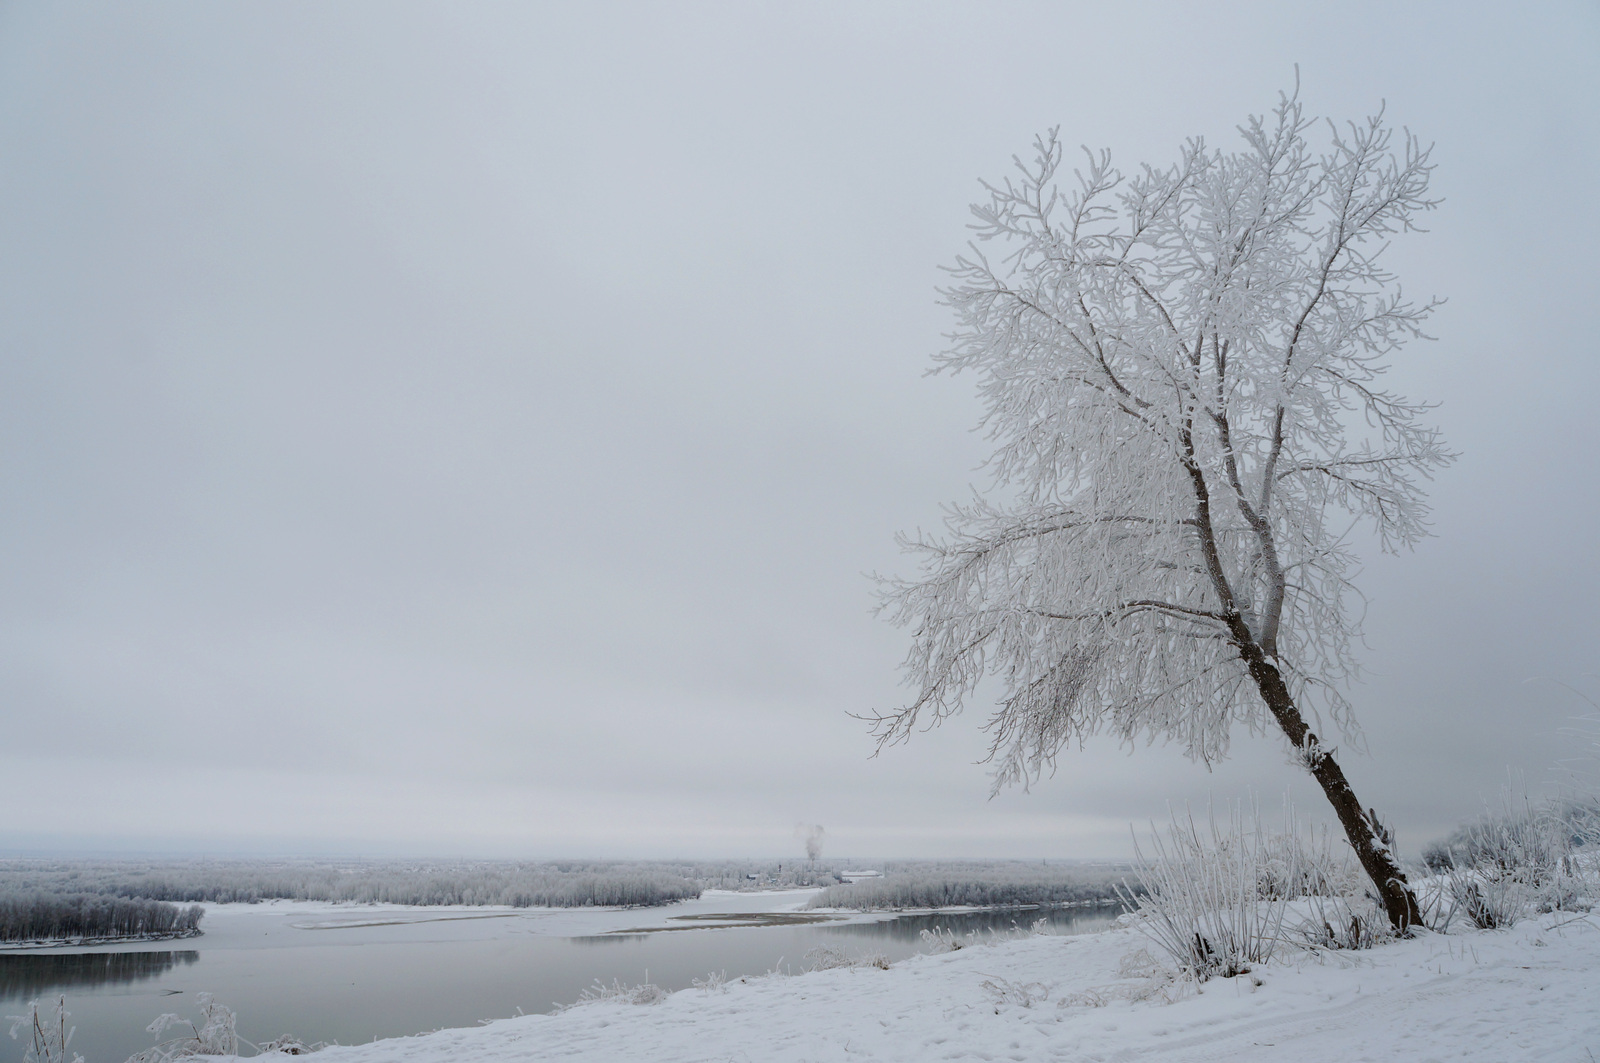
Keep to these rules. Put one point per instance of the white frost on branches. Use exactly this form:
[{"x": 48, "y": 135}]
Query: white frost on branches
[{"x": 1180, "y": 370}]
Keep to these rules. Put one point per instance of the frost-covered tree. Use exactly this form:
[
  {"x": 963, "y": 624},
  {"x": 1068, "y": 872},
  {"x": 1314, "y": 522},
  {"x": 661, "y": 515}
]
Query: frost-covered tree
[{"x": 1181, "y": 372}]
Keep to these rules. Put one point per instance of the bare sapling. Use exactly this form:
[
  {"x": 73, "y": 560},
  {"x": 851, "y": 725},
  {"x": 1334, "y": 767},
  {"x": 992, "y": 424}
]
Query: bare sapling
[{"x": 1182, "y": 371}]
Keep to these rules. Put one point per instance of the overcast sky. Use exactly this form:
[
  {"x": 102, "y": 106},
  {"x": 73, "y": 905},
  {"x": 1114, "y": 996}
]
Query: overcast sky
[{"x": 467, "y": 429}]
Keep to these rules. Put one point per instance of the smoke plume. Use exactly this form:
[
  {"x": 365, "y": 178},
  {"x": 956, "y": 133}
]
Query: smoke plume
[{"x": 811, "y": 834}]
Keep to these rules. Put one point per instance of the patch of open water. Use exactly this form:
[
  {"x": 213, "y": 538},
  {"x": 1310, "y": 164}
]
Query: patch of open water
[{"x": 339, "y": 975}]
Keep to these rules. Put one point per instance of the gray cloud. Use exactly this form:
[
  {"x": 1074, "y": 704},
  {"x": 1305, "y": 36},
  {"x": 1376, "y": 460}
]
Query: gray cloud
[{"x": 430, "y": 429}]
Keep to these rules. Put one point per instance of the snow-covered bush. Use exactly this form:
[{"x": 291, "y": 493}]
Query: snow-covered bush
[
  {"x": 942, "y": 939},
  {"x": 1343, "y": 922},
  {"x": 1516, "y": 839},
  {"x": 1203, "y": 901},
  {"x": 1579, "y": 819},
  {"x": 48, "y": 1037},
  {"x": 1517, "y": 859},
  {"x": 828, "y": 958},
  {"x": 289, "y": 1045},
  {"x": 216, "y": 1034},
  {"x": 713, "y": 982},
  {"x": 1309, "y": 863},
  {"x": 619, "y": 993},
  {"x": 1024, "y": 994},
  {"x": 1331, "y": 906}
]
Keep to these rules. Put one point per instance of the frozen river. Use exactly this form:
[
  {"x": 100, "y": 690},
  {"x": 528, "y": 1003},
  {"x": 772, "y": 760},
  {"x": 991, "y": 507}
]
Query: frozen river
[{"x": 348, "y": 974}]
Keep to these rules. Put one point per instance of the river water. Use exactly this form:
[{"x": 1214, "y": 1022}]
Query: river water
[{"x": 349, "y": 974}]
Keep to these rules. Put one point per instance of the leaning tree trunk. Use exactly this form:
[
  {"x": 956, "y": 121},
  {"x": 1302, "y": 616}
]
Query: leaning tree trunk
[{"x": 1372, "y": 842}]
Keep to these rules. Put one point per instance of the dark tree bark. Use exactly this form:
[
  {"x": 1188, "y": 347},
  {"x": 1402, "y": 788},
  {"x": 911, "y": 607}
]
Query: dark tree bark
[{"x": 1371, "y": 841}]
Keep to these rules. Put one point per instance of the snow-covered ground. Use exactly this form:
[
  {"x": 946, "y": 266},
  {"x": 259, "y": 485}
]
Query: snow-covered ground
[{"x": 1530, "y": 993}]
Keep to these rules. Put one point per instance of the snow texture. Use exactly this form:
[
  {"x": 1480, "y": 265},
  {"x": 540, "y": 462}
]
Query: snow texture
[{"x": 1528, "y": 993}]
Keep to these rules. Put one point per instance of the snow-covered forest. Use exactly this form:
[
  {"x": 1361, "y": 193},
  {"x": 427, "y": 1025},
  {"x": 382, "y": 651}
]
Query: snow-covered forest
[
  {"x": 36, "y": 915},
  {"x": 514, "y": 884}
]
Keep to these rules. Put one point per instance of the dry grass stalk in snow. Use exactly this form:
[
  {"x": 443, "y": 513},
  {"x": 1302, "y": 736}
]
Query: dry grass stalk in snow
[{"x": 48, "y": 1037}]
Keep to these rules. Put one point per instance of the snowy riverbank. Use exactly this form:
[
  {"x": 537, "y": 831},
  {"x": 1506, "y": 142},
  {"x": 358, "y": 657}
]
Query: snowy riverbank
[{"x": 1528, "y": 993}]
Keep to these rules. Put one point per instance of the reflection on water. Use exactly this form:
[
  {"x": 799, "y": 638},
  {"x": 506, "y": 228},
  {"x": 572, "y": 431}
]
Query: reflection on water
[
  {"x": 909, "y": 928},
  {"x": 28, "y": 976}
]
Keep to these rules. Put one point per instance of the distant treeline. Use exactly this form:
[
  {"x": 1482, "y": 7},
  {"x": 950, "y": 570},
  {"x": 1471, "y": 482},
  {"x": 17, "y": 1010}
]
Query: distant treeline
[
  {"x": 758, "y": 874},
  {"x": 563, "y": 885},
  {"x": 554, "y": 884},
  {"x": 996, "y": 884},
  {"x": 41, "y": 916}
]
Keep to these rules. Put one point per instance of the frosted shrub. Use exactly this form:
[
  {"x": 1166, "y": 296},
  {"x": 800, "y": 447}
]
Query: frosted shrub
[
  {"x": 1218, "y": 903},
  {"x": 1316, "y": 872},
  {"x": 1314, "y": 863},
  {"x": 943, "y": 939},
  {"x": 1490, "y": 897},
  {"x": 289, "y": 1045},
  {"x": 1517, "y": 859},
  {"x": 619, "y": 993},
  {"x": 828, "y": 958},
  {"x": 1488, "y": 903},
  {"x": 825, "y": 958},
  {"x": 1344, "y": 922},
  {"x": 1580, "y": 821},
  {"x": 1202, "y": 902},
  {"x": 215, "y": 1035},
  {"x": 1024, "y": 994},
  {"x": 48, "y": 1037},
  {"x": 714, "y": 982}
]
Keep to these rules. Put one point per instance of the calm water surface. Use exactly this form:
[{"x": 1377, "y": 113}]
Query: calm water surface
[{"x": 350, "y": 983}]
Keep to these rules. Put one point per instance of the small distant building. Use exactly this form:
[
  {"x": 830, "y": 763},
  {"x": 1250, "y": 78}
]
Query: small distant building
[{"x": 857, "y": 876}]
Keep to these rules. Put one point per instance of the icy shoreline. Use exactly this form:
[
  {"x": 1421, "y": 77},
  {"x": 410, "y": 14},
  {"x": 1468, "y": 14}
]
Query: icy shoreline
[
  {"x": 96, "y": 942},
  {"x": 1528, "y": 993}
]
